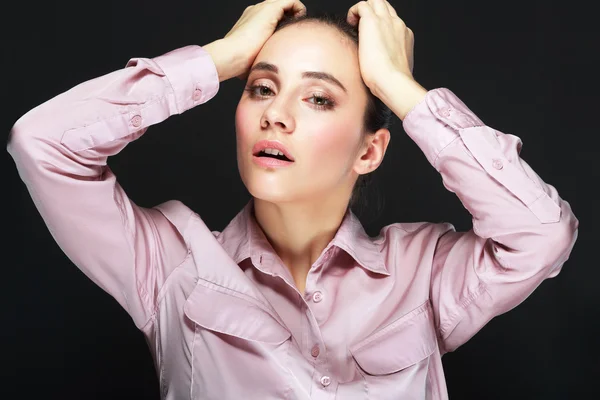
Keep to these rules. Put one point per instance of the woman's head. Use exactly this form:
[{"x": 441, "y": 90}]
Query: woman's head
[{"x": 333, "y": 126}]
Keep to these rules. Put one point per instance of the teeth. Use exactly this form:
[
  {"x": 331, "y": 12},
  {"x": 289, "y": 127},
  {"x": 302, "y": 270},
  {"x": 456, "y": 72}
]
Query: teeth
[{"x": 273, "y": 152}]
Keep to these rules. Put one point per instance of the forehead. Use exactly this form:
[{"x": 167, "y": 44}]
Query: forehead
[{"x": 310, "y": 46}]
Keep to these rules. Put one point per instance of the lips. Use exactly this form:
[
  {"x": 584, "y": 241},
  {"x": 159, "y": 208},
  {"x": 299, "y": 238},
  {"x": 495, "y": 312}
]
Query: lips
[
  {"x": 271, "y": 163},
  {"x": 271, "y": 144}
]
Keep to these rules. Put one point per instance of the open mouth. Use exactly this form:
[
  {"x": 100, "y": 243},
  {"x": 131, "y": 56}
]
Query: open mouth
[{"x": 278, "y": 155}]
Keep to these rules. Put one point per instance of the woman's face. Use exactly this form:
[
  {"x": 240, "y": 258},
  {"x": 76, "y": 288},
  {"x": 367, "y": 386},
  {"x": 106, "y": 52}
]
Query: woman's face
[{"x": 319, "y": 122}]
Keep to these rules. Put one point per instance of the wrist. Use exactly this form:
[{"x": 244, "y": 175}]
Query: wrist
[
  {"x": 402, "y": 94},
  {"x": 225, "y": 60}
]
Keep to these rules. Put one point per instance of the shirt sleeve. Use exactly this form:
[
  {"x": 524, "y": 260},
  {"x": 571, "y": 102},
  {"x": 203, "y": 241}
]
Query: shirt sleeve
[
  {"x": 61, "y": 147},
  {"x": 522, "y": 232}
]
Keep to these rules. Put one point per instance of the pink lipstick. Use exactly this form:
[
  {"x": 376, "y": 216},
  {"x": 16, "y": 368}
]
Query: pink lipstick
[{"x": 271, "y": 154}]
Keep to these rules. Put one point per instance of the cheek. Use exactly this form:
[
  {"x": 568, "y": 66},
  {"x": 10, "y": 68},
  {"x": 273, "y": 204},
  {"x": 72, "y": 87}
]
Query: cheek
[
  {"x": 334, "y": 145},
  {"x": 244, "y": 121}
]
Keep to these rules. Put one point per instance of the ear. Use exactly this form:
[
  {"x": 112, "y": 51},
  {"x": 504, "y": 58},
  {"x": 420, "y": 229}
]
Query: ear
[{"x": 372, "y": 151}]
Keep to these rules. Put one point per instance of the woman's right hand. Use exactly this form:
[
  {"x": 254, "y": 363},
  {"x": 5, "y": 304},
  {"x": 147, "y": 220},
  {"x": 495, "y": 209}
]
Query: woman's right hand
[{"x": 233, "y": 55}]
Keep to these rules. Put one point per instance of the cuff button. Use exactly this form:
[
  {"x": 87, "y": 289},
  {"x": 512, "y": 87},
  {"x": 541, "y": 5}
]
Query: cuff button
[
  {"x": 136, "y": 121},
  {"x": 197, "y": 95},
  {"x": 497, "y": 164}
]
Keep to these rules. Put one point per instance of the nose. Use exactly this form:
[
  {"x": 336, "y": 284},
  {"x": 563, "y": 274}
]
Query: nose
[{"x": 276, "y": 116}]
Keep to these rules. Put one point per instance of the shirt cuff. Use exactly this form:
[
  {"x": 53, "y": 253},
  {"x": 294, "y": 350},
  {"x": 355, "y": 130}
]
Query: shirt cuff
[
  {"x": 434, "y": 122},
  {"x": 191, "y": 73}
]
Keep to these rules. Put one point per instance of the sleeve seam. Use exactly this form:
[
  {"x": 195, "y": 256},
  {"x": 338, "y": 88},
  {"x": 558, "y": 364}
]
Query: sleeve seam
[
  {"x": 172, "y": 91},
  {"x": 438, "y": 154},
  {"x": 445, "y": 329},
  {"x": 154, "y": 307}
]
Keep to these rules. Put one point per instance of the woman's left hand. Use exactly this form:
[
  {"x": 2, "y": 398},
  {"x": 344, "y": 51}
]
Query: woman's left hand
[{"x": 385, "y": 43}]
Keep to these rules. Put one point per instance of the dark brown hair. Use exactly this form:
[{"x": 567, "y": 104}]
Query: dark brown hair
[{"x": 377, "y": 115}]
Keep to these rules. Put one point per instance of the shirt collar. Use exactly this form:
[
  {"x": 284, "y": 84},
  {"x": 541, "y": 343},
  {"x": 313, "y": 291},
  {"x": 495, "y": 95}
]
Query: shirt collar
[{"x": 243, "y": 238}]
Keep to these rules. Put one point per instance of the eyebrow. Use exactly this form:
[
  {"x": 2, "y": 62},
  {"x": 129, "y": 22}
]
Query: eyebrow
[{"x": 265, "y": 66}]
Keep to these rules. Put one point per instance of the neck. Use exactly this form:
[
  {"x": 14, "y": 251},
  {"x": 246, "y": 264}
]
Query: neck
[{"x": 299, "y": 232}]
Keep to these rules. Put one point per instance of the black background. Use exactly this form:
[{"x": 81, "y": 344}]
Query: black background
[{"x": 528, "y": 69}]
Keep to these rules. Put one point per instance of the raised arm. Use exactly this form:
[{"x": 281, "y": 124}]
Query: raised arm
[
  {"x": 61, "y": 148},
  {"x": 523, "y": 231}
]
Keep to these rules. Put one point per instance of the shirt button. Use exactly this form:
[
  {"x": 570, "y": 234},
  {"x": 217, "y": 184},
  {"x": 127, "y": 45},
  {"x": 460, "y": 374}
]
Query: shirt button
[
  {"x": 497, "y": 164},
  {"x": 325, "y": 380},
  {"x": 315, "y": 351},
  {"x": 197, "y": 95},
  {"x": 445, "y": 112},
  {"x": 317, "y": 297},
  {"x": 136, "y": 121}
]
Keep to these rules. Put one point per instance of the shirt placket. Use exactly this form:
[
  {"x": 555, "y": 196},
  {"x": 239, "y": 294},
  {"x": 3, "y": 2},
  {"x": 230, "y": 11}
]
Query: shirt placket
[{"x": 316, "y": 302}]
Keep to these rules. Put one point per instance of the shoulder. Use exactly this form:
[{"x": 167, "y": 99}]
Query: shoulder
[
  {"x": 410, "y": 231},
  {"x": 415, "y": 239},
  {"x": 176, "y": 213},
  {"x": 182, "y": 218},
  {"x": 410, "y": 247}
]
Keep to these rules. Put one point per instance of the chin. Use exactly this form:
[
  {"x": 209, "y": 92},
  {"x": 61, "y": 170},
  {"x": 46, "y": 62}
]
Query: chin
[
  {"x": 265, "y": 185},
  {"x": 271, "y": 193}
]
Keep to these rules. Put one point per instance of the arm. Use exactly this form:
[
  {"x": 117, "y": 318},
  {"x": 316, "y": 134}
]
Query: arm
[
  {"x": 61, "y": 148},
  {"x": 523, "y": 232}
]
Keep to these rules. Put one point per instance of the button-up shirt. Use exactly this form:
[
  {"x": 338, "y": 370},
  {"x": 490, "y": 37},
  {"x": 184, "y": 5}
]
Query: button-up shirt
[{"x": 221, "y": 313}]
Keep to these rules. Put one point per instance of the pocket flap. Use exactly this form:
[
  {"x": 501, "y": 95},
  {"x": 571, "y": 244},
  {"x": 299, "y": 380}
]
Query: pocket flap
[
  {"x": 232, "y": 313},
  {"x": 404, "y": 342}
]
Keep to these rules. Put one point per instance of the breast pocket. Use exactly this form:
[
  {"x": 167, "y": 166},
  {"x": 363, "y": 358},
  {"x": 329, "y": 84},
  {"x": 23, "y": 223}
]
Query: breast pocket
[
  {"x": 394, "y": 360},
  {"x": 240, "y": 348}
]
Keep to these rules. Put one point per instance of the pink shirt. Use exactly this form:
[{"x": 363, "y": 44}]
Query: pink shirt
[{"x": 221, "y": 314}]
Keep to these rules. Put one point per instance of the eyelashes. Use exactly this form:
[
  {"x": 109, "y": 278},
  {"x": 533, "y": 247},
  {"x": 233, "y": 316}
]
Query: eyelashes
[{"x": 324, "y": 102}]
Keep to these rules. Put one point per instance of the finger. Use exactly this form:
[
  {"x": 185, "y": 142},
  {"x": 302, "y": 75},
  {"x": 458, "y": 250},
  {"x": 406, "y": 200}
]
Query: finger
[
  {"x": 357, "y": 11},
  {"x": 391, "y": 9},
  {"x": 294, "y": 6},
  {"x": 378, "y": 7}
]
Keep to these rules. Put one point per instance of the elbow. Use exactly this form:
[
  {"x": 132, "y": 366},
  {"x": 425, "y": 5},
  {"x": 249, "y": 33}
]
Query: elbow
[
  {"x": 21, "y": 147},
  {"x": 38, "y": 126},
  {"x": 33, "y": 133},
  {"x": 17, "y": 140},
  {"x": 27, "y": 144},
  {"x": 21, "y": 136}
]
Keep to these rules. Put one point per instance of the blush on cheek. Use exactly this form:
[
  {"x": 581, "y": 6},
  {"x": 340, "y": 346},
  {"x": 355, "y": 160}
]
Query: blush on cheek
[
  {"x": 241, "y": 117},
  {"x": 335, "y": 143},
  {"x": 243, "y": 123}
]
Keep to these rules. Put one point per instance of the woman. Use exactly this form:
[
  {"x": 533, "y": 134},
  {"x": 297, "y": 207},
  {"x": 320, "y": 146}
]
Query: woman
[{"x": 293, "y": 300}]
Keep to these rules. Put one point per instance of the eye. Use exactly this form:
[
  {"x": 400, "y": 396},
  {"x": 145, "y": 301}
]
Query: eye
[
  {"x": 263, "y": 91},
  {"x": 322, "y": 101}
]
